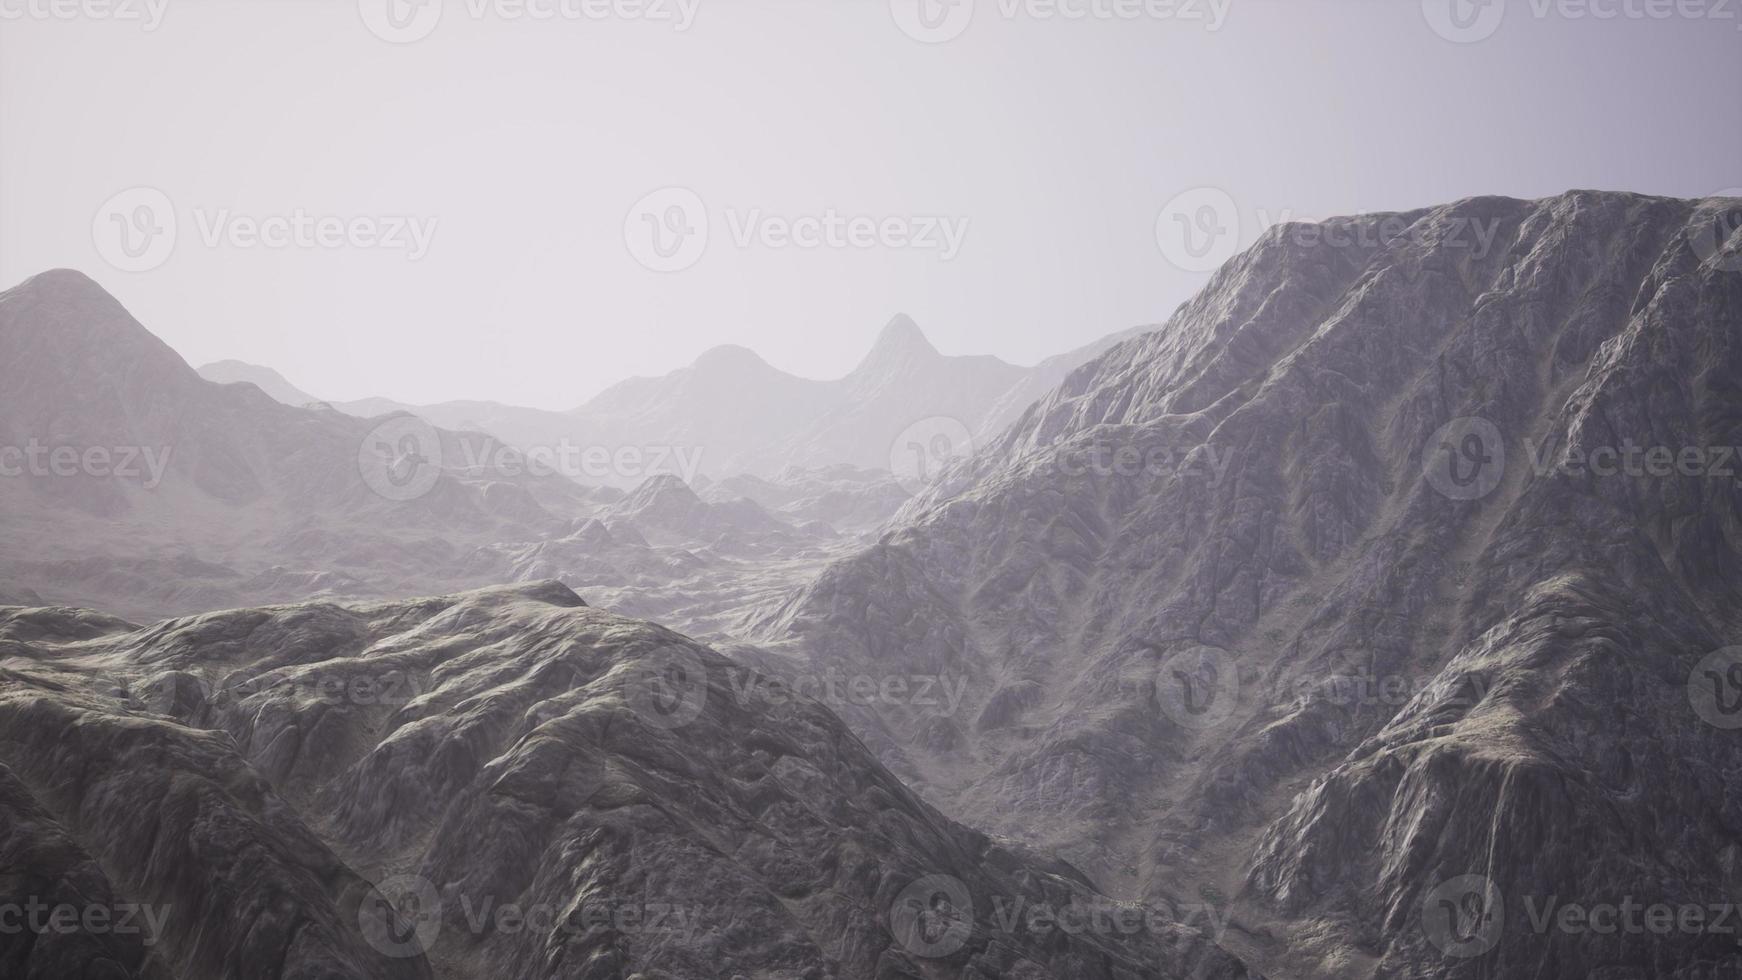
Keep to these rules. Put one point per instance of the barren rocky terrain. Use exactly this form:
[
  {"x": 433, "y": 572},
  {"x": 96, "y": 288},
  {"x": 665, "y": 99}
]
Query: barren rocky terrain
[
  {"x": 1374, "y": 617},
  {"x": 500, "y": 783},
  {"x": 1393, "y": 575}
]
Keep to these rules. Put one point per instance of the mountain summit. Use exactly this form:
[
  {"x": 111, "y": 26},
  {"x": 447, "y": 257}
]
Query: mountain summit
[{"x": 900, "y": 343}]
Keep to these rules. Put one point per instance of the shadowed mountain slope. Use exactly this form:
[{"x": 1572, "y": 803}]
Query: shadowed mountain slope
[{"x": 131, "y": 483}]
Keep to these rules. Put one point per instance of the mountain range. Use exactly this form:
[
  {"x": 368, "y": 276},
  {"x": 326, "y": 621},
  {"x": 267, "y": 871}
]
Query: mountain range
[
  {"x": 732, "y": 413},
  {"x": 1374, "y": 617}
]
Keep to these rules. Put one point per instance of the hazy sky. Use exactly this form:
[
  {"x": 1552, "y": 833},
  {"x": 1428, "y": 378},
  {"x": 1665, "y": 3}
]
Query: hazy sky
[{"x": 1002, "y": 185}]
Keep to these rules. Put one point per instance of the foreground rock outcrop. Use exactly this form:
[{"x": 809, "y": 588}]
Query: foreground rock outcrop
[{"x": 505, "y": 783}]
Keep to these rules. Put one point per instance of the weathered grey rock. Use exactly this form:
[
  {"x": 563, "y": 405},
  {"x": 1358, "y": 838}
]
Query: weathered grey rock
[
  {"x": 571, "y": 794},
  {"x": 845, "y": 497},
  {"x": 1295, "y": 661}
]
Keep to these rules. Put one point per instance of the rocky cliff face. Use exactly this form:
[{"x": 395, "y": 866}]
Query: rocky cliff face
[
  {"x": 504, "y": 783},
  {"x": 1385, "y": 594}
]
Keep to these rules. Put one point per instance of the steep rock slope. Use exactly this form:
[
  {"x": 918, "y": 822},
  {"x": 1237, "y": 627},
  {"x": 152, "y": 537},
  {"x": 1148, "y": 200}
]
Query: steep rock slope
[
  {"x": 1337, "y": 599},
  {"x": 535, "y": 788}
]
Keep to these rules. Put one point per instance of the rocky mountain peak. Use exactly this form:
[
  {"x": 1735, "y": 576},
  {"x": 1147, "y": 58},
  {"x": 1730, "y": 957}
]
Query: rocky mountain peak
[
  {"x": 731, "y": 357},
  {"x": 901, "y": 342},
  {"x": 61, "y": 325}
]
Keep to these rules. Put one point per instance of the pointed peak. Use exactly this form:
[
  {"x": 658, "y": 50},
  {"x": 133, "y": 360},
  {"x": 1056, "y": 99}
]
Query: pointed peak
[
  {"x": 901, "y": 333},
  {"x": 900, "y": 342},
  {"x": 662, "y": 485},
  {"x": 730, "y": 356},
  {"x": 63, "y": 284},
  {"x": 66, "y": 318}
]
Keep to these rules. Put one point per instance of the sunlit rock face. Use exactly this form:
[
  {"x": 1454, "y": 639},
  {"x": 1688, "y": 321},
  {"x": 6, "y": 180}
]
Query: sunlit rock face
[{"x": 1379, "y": 596}]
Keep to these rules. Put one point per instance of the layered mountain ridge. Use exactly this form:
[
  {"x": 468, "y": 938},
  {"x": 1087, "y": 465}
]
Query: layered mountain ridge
[
  {"x": 733, "y": 413},
  {"x": 503, "y": 783},
  {"x": 1380, "y": 606}
]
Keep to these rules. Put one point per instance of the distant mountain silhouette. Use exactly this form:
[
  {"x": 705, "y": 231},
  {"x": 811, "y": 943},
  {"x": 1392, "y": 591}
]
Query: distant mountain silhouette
[
  {"x": 264, "y": 378},
  {"x": 731, "y": 412}
]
